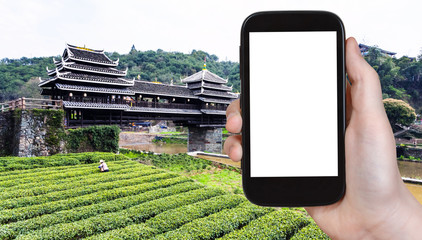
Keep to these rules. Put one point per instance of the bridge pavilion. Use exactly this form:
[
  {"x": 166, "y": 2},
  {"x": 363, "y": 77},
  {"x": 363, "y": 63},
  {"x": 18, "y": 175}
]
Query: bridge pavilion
[{"x": 95, "y": 92}]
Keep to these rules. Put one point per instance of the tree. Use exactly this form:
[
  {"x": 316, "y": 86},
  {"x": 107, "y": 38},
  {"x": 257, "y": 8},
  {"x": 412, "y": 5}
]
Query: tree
[{"x": 399, "y": 112}]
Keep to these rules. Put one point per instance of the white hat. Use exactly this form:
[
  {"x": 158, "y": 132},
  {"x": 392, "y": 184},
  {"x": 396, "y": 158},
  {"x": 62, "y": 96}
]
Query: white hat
[{"x": 101, "y": 161}]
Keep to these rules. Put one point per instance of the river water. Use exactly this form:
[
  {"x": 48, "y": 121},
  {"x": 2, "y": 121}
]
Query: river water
[{"x": 412, "y": 170}]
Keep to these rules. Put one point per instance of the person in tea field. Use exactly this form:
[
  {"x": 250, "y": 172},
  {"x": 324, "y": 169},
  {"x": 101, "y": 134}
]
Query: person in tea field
[
  {"x": 103, "y": 166},
  {"x": 377, "y": 204}
]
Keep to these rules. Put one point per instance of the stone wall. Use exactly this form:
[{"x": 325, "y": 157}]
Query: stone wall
[
  {"x": 6, "y": 133},
  {"x": 205, "y": 139},
  {"x": 30, "y": 133},
  {"x": 409, "y": 151}
]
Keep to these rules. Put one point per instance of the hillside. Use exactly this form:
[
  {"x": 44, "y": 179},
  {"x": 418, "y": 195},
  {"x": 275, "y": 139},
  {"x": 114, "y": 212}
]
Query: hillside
[
  {"x": 401, "y": 78},
  {"x": 18, "y": 77}
]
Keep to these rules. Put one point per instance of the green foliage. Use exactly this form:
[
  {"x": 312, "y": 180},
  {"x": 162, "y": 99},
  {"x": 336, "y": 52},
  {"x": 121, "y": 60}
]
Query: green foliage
[
  {"x": 66, "y": 216},
  {"x": 400, "y": 78},
  {"x": 94, "y": 138},
  {"x": 172, "y": 219},
  {"x": 174, "y": 162},
  {"x": 176, "y": 140},
  {"x": 15, "y": 73},
  {"x": 312, "y": 231},
  {"x": 218, "y": 224},
  {"x": 18, "y": 214},
  {"x": 399, "y": 112},
  {"x": 132, "y": 215},
  {"x": 19, "y": 163},
  {"x": 276, "y": 225},
  {"x": 132, "y": 201},
  {"x": 83, "y": 190}
]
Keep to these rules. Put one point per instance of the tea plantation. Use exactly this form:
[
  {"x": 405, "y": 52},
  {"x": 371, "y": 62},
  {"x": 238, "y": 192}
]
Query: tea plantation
[{"x": 66, "y": 197}]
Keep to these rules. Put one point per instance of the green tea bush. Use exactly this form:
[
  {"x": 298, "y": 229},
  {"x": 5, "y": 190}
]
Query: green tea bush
[
  {"x": 20, "y": 163},
  {"x": 276, "y": 225},
  {"x": 91, "y": 171},
  {"x": 217, "y": 224},
  {"x": 18, "y": 214},
  {"x": 109, "y": 221},
  {"x": 151, "y": 176},
  {"x": 22, "y": 227},
  {"x": 91, "y": 179},
  {"x": 172, "y": 219},
  {"x": 312, "y": 231}
]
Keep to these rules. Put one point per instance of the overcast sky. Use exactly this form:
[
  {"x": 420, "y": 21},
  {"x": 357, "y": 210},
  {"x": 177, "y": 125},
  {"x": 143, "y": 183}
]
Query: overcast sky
[{"x": 41, "y": 28}]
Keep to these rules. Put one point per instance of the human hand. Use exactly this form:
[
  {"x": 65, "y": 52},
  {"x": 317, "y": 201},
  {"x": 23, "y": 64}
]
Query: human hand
[{"x": 376, "y": 205}]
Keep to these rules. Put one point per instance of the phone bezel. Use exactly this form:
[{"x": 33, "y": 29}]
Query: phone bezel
[{"x": 293, "y": 191}]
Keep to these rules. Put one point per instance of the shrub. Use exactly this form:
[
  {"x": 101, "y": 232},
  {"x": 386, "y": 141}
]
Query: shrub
[
  {"x": 399, "y": 112},
  {"x": 22, "y": 227},
  {"x": 276, "y": 225},
  {"x": 18, "y": 214},
  {"x": 20, "y": 163},
  {"x": 94, "y": 138},
  {"x": 172, "y": 219},
  {"x": 217, "y": 224},
  {"x": 109, "y": 221},
  {"x": 312, "y": 231}
]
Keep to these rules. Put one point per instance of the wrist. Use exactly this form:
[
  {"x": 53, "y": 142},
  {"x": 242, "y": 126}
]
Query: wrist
[{"x": 404, "y": 222}]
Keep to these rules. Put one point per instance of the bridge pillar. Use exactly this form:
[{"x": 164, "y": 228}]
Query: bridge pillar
[{"x": 205, "y": 139}]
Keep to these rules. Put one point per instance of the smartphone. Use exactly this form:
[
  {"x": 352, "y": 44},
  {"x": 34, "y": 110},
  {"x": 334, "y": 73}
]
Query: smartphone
[{"x": 292, "y": 68}]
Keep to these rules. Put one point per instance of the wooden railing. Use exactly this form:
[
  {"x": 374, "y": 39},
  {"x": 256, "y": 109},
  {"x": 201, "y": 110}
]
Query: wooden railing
[{"x": 30, "y": 103}]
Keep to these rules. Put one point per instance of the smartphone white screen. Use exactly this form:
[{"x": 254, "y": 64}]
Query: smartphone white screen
[{"x": 293, "y": 104}]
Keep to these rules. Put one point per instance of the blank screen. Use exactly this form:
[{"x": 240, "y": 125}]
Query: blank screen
[{"x": 293, "y": 104}]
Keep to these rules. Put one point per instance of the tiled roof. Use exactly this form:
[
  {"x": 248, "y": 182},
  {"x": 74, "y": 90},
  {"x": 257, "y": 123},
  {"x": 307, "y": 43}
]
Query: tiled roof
[
  {"x": 213, "y": 112},
  {"x": 94, "y": 78},
  {"x": 217, "y": 86},
  {"x": 209, "y": 85},
  {"x": 143, "y": 87},
  {"x": 89, "y": 68},
  {"x": 215, "y": 93},
  {"x": 216, "y": 100},
  {"x": 164, "y": 110},
  {"x": 112, "y": 106},
  {"x": 93, "y": 56},
  {"x": 93, "y": 89},
  {"x": 204, "y": 75}
]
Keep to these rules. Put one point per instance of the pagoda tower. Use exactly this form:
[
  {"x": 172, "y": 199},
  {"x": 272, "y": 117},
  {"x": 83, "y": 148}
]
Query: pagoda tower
[
  {"x": 214, "y": 96},
  {"x": 85, "y": 75}
]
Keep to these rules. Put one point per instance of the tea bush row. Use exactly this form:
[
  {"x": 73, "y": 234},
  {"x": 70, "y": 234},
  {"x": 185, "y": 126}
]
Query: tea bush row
[
  {"x": 11, "y": 230},
  {"x": 172, "y": 219},
  {"x": 109, "y": 221},
  {"x": 217, "y": 224},
  {"x": 276, "y": 225},
  {"x": 53, "y": 185},
  {"x": 53, "y": 170},
  {"x": 19, "y": 163},
  {"x": 55, "y": 176},
  {"x": 151, "y": 176},
  {"x": 18, "y": 214},
  {"x": 312, "y": 231}
]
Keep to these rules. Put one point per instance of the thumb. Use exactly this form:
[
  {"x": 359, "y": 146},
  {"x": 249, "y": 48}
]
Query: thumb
[{"x": 365, "y": 89}]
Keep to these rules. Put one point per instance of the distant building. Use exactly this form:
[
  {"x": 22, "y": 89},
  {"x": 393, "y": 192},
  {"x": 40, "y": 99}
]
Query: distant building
[
  {"x": 365, "y": 48},
  {"x": 94, "y": 91}
]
